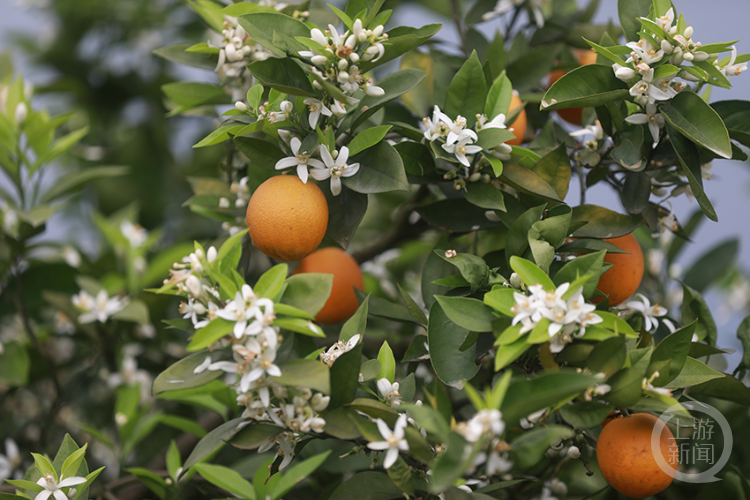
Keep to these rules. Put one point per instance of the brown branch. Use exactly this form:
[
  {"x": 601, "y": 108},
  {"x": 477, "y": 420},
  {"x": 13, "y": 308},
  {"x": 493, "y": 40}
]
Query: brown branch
[{"x": 400, "y": 230}]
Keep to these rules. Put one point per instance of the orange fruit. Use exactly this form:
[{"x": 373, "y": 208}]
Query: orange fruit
[
  {"x": 573, "y": 115},
  {"x": 624, "y": 277},
  {"x": 287, "y": 218},
  {"x": 519, "y": 124},
  {"x": 342, "y": 302},
  {"x": 626, "y": 458},
  {"x": 612, "y": 416}
]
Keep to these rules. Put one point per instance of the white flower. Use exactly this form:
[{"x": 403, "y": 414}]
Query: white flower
[
  {"x": 654, "y": 120},
  {"x": 316, "y": 108},
  {"x": 135, "y": 234},
  {"x": 665, "y": 22},
  {"x": 52, "y": 487},
  {"x": 732, "y": 69},
  {"x": 71, "y": 256},
  {"x": 529, "y": 421},
  {"x": 458, "y": 130},
  {"x": 99, "y": 308},
  {"x": 574, "y": 452},
  {"x": 461, "y": 149},
  {"x": 438, "y": 126},
  {"x": 334, "y": 169},
  {"x": 390, "y": 392},
  {"x": 394, "y": 441},
  {"x": 648, "y": 90},
  {"x": 300, "y": 159},
  {"x": 371, "y": 89},
  {"x": 240, "y": 311},
  {"x": 11, "y": 460},
  {"x": 596, "y": 130},
  {"x": 690, "y": 50},
  {"x": 623, "y": 73},
  {"x": 337, "y": 349},
  {"x": 644, "y": 52},
  {"x": 649, "y": 312},
  {"x": 487, "y": 421},
  {"x": 497, "y": 122}
]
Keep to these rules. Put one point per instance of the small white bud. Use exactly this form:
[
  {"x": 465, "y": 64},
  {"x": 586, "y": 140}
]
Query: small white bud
[
  {"x": 516, "y": 280},
  {"x": 688, "y": 56},
  {"x": 121, "y": 419},
  {"x": 343, "y": 64},
  {"x": 625, "y": 74},
  {"x": 378, "y": 31},
  {"x": 194, "y": 285},
  {"x": 666, "y": 47},
  {"x": 287, "y": 107},
  {"x": 223, "y": 202},
  {"x": 374, "y": 91},
  {"x": 362, "y": 36},
  {"x": 318, "y": 60},
  {"x": 320, "y": 402},
  {"x": 211, "y": 255},
  {"x": 354, "y": 57},
  {"x": 343, "y": 75},
  {"x": 688, "y": 32},
  {"x": 574, "y": 452},
  {"x": 240, "y": 106},
  {"x": 21, "y": 112}
]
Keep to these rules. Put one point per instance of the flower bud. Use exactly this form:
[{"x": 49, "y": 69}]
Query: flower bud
[
  {"x": 516, "y": 280},
  {"x": 193, "y": 284},
  {"x": 287, "y": 107},
  {"x": 240, "y": 106},
  {"x": 378, "y": 31},
  {"x": 318, "y": 60},
  {"x": 354, "y": 57},
  {"x": 574, "y": 452},
  {"x": 22, "y": 110},
  {"x": 211, "y": 254},
  {"x": 374, "y": 91},
  {"x": 320, "y": 402},
  {"x": 666, "y": 47},
  {"x": 343, "y": 76},
  {"x": 362, "y": 36},
  {"x": 688, "y": 56},
  {"x": 688, "y": 32},
  {"x": 625, "y": 73},
  {"x": 343, "y": 64}
]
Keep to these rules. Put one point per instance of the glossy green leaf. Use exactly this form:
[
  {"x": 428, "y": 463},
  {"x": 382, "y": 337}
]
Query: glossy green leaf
[
  {"x": 467, "y": 92},
  {"x": 455, "y": 215},
  {"x": 380, "y": 170},
  {"x": 176, "y": 53},
  {"x": 625, "y": 387},
  {"x": 308, "y": 292},
  {"x": 530, "y": 447},
  {"x": 346, "y": 212},
  {"x": 581, "y": 266},
  {"x": 712, "y": 265},
  {"x": 263, "y": 27},
  {"x": 181, "y": 375},
  {"x": 608, "y": 357},
  {"x": 284, "y": 75},
  {"x": 694, "y": 307},
  {"x": 468, "y": 313},
  {"x": 297, "y": 473},
  {"x": 555, "y": 169},
  {"x": 695, "y": 119},
  {"x": 585, "y": 415},
  {"x": 387, "y": 363},
  {"x": 472, "y": 268},
  {"x": 305, "y": 373},
  {"x": 587, "y": 86},
  {"x": 444, "y": 339},
  {"x": 368, "y": 485},
  {"x": 261, "y": 153},
  {"x": 499, "y": 97},
  {"x": 254, "y": 435},
  {"x": 210, "y": 333},
  {"x": 393, "y": 85},
  {"x": 602, "y": 222},
  {"x": 435, "y": 267},
  {"x": 527, "y": 181},
  {"x": 727, "y": 387},
  {"x": 526, "y": 71},
  {"x": 531, "y": 274},
  {"x": 485, "y": 196},
  {"x": 693, "y": 372},
  {"x": 226, "y": 479},
  {"x": 367, "y": 138}
]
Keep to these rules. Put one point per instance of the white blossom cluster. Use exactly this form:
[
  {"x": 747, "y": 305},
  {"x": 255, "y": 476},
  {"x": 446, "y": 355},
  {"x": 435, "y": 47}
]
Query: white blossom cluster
[
  {"x": 488, "y": 424},
  {"x": 254, "y": 342},
  {"x": 567, "y": 317},
  {"x": 459, "y": 140},
  {"x": 335, "y": 56},
  {"x": 98, "y": 308},
  {"x": 334, "y": 165},
  {"x": 237, "y": 50}
]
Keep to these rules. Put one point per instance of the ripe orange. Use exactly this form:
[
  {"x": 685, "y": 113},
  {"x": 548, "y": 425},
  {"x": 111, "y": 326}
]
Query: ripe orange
[
  {"x": 287, "y": 218},
  {"x": 612, "y": 416},
  {"x": 342, "y": 302},
  {"x": 626, "y": 458},
  {"x": 573, "y": 115},
  {"x": 624, "y": 277},
  {"x": 519, "y": 124}
]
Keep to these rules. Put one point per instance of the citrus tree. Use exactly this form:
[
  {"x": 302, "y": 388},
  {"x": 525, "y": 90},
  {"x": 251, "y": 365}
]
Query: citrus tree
[{"x": 499, "y": 325}]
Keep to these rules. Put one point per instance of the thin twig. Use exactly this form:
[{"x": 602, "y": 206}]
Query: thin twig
[
  {"x": 457, "y": 19},
  {"x": 585, "y": 462},
  {"x": 400, "y": 230},
  {"x": 582, "y": 182}
]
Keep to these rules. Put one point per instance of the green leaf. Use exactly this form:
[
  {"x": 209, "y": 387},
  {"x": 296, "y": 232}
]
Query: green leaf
[
  {"x": 485, "y": 196},
  {"x": 264, "y": 26},
  {"x": 602, "y": 222},
  {"x": 387, "y": 363},
  {"x": 526, "y": 396},
  {"x": 24, "y": 484},
  {"x": 694, "y": 307},
  {"x": 177, "y": 54},
  {"x": 294, "y": 475},
  {"x": 14, "y": 365},
  {"x": 628, "y": 151},
  {"x": 188, "y": 95},
  {"x": 586, "y": 86},
  {"x": 508, "y": 353},
  {"x": 499, "y": 97},
  {"x": 455, "y": 215},
  {"x": 345, "y": 377},
  {"x": 528, "y": 182},
  {"x": 227, "y": 479},
  {"x": 435, "y": 267},
  {"x": 73, "y": 462},
  {"x": 625, "y": 387},
  {"x": 743, "y": 334},
  {"x": 468, "y": 313},
  {"x": 629, "y": 12},
  {"x": 271, "y": 282},
  {"x": 44, "y": 466},
  {"x": 444, "y": 339},
  {"x": 531, "y": 446},
  {"x": 531, "y": 274},
  {"x": 453, "y": 462},
  {"x": 368, "y": 485},
  {"x": 370, "y": 369},
  {"x": 210, "y": 333},
  {"x": 384, "y": 308},
  {"x": 608, "y": 356},
  {"x": 74, "y": 180},
  {"x": 555, "y": 169},
  {"x": 415, "y": 310},
  {"x": 581, "y": 266},
  {"x": 305, "y": 373},
  {"x": 687, "y": 153},
  {"x": 367, "y": 139},
  {"x": 616, "y": 323},
  {"x": 712, "y": 265},
  {"x": 693, "y": 372},
  {"x": 695, "y": 119},
  {"x": 261, "y": 153},
  {"x": 229, "y": 244},
  {"x": 428, "y": 419},
  {"x": 345, "y": 213},
  {"x": 727, "y": 387},
  {"x": 173, "y": 460},
  {"x": 213, "y": 440},
  {"x": 467, "y": 92},
  {"x": 735, "y": 117},
  {"x": 419, "y": 100},
  {"x": 473, "y": 268},
  {"x": 284, "y": 75},
  {"x": 489, "y": 138},
  {"x": 585, "y": 415},
  {"x": 380, "y": 170},
  {"x": 517, "y": 240},
  {"x": 254, "y": 435},
  {"x": 184, "y": 424},
  {"x": 526, "y": 71},
  {"x": 308, "y": 292},
  {"x": 153, "y": 482},
  {"x": 419, "y": 163}
]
